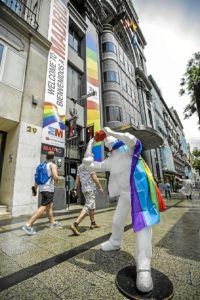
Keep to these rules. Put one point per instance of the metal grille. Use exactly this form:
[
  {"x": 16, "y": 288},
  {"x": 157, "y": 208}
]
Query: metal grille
[{"x": 22, "y": 8}]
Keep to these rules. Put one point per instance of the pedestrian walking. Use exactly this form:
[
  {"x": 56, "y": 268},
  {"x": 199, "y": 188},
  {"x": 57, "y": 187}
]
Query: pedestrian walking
[
  {"x": 198, "y": 186},
  {"x": 187, "y": 188},
  {"x": 89, "y": 181},
  {"x": 167, "y": 189},
  {"x": 49, "y": 170}
]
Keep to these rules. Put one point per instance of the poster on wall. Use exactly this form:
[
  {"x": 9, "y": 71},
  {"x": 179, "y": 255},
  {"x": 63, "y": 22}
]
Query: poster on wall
[
  {"x": 93, "y": 84},
  {"x": 53, "y": 132}
]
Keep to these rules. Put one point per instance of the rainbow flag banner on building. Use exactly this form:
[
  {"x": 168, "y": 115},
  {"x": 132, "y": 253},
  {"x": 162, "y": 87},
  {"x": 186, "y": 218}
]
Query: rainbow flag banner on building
[
  {"x": 93, "y": 103},
  {"x": 53, "y": 131}
]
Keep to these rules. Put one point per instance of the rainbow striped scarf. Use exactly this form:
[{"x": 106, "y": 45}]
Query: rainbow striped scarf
[{"x": 146, "y": 199}]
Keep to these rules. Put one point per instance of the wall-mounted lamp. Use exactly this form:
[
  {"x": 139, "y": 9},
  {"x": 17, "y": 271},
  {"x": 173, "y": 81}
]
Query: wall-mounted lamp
[{"x": 34, "y": 100}]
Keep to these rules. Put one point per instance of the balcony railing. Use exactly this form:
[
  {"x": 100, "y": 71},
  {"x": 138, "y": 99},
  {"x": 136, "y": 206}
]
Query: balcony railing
[{"x": 23, "y": 11}]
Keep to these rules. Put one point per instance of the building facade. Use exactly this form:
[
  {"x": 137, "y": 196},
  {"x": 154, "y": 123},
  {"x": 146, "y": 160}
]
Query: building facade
[
  {"x": 173, "y": 155},
  {"x": 68, "y": 68},
  {"x": 24, "y": 49}
]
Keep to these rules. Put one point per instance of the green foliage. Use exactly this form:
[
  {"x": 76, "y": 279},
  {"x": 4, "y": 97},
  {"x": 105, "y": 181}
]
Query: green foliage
[
  {"x": 196, "y": 153},
  {"x": 196, "y": 159},
  {"x": 188, "y": 82}
]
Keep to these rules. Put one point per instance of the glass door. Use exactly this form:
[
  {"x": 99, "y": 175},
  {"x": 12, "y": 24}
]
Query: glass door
[{"x": 71, "y": 170}]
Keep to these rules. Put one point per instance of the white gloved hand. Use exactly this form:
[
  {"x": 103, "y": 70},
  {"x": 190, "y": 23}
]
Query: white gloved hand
[{"x": 92, "y": 141}]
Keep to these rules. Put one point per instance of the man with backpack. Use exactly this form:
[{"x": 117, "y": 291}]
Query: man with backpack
[{"x": 46, "y": 174}]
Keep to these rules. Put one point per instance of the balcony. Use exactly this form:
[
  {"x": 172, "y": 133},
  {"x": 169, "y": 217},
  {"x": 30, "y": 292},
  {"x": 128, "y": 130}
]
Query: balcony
[{"x": 25, "y": 11}]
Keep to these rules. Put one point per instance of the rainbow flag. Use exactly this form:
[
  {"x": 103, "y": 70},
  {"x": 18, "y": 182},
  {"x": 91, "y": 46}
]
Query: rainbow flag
[
  {"x": 51, "y": 115},
  {"x": 93, "y": 108},
  {"x": 146, "y": 199}
]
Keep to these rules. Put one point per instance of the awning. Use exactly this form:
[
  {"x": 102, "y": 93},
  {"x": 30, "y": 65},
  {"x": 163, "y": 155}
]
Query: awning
[{"x": 149, "y": 137}]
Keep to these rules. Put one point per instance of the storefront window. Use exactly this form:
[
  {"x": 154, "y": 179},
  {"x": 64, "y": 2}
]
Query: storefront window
[
  {"x": 111, "y": 76},
  {"x": 113, "y": 113},
  {"x": 109, "y": 47}
]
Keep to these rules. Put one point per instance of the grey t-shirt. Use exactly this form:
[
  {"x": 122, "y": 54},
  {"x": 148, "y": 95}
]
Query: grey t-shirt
[
  {"x": 87, "y": 183},
  {"x": 49, "y": 185}
]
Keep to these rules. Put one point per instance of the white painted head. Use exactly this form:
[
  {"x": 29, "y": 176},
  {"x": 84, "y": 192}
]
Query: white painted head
[{"x": 109, "y": 141}]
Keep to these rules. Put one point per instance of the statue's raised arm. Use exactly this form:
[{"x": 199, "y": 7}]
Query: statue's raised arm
[
  {"x": 126, "y": 137},
  {"x": 90, "y": 164}
]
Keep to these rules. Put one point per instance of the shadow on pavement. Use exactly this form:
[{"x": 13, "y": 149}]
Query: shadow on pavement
[
  {"x": 103, "y": 262},
  {"x": 183, "y": 240}
]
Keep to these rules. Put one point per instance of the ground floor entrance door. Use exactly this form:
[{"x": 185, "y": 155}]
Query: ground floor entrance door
[
  {"x": 2, "y": 148},
  {"x": 71, "y": 170}
]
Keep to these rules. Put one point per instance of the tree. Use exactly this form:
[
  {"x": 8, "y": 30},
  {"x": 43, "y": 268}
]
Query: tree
[
  {"x": 190, "y": 84},
  {"x": 196, "y": 159}
]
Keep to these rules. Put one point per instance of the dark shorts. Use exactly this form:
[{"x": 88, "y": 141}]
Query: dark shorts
[{"x": 47, "y": 198}]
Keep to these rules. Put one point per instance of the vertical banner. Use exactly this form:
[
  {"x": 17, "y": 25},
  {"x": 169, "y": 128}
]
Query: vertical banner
[
  {"x": 53, "y": 132},
  {"x": 93, "y": 83}
]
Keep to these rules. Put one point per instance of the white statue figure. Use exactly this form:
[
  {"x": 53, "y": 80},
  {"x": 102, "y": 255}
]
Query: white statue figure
[{"x": 125, "y": 159}]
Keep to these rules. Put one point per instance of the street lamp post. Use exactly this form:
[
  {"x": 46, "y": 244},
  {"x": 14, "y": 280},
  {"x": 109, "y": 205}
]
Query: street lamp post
[{"x": 84, "y": 97}]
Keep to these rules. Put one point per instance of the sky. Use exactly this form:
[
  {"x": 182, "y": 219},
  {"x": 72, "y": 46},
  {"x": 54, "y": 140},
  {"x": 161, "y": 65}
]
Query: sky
[{"x": 172, "y": 31}]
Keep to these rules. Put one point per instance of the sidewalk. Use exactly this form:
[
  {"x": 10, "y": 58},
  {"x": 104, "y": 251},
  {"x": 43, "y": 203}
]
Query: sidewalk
[{"x": 54, "y": 264}]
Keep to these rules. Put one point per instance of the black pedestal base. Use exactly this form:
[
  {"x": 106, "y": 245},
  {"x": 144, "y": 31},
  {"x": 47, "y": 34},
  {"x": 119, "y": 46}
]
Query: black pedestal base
[{"x": 126, "y": 283}]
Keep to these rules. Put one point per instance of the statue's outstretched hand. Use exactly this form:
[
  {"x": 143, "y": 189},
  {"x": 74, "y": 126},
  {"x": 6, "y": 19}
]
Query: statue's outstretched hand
[{"x": 92, "y": 141}]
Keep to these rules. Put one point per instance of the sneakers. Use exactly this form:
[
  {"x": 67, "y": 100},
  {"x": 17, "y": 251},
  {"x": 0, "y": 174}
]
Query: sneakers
[
  {"x": 75, "y": 229},
  {"x": 93, "y": 226},
  {"x": 54, "y": 225},
  {"x": 29, "y": 230}
]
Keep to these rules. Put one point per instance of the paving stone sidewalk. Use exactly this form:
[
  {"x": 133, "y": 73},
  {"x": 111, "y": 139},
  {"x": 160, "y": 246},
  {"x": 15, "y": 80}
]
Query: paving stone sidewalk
[{"x": 54, "y": 264}]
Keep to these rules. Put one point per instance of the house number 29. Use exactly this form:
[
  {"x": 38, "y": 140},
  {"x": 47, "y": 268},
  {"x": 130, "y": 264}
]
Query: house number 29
[{"x": 31, "y": 129}]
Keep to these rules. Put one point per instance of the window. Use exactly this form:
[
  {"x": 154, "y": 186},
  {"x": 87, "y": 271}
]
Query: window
[
  {"x": 122, "y": 58},
  {"x": 1, "y": 58},
  {"x": 141, "y": 62},
  {"x": 73, "y": 83},
  {"x": 113, "y": 113},
  {"x": 74, "y": 42},
  {"x": 14, "y": 69},
  {"x": 129, "y": 91},
  {"x": 130, "y": 70},
  {"x": 128, "y": 118},
  {"x": 150, "y": 117},
  {"x": 124, "y": 85},
  {"x": 1, "y": 53},
  {"x": 111, "y": 76},
  {"x": 109, "y": 47}
]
